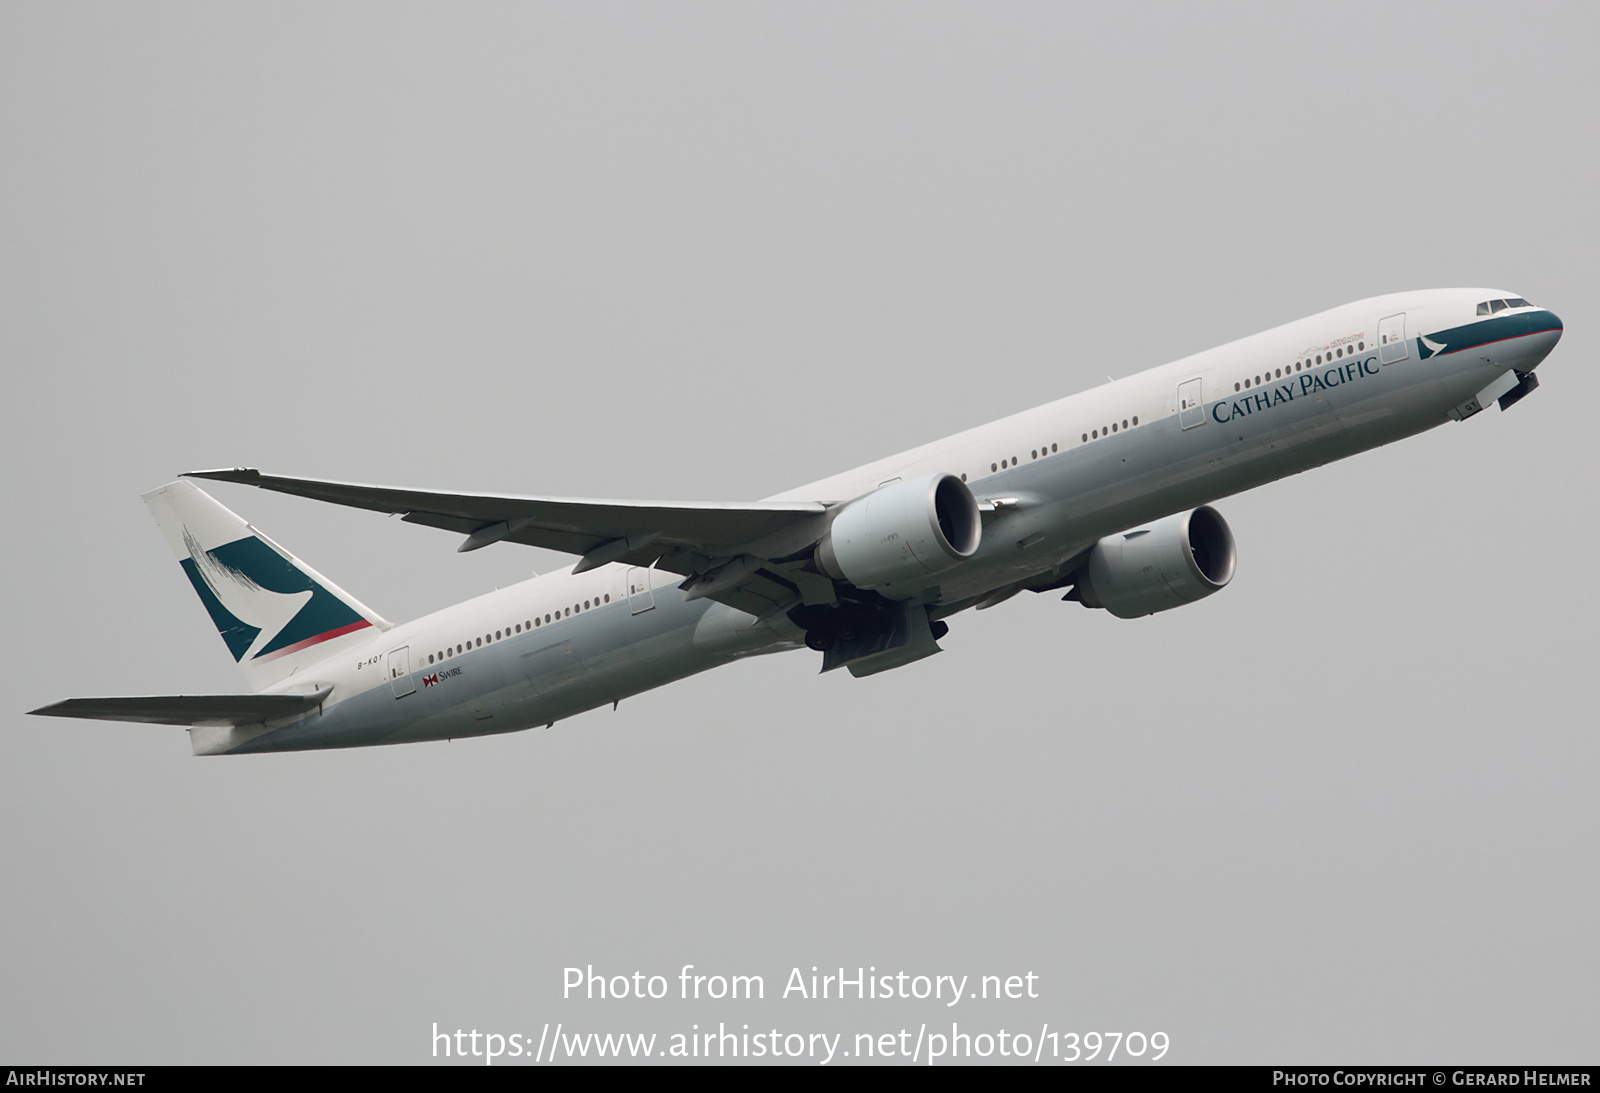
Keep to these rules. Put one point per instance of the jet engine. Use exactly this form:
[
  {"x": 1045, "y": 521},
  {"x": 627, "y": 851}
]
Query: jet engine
[
  {"x": 1174, "y": 561},
  {"x": 902, "y": 532}
]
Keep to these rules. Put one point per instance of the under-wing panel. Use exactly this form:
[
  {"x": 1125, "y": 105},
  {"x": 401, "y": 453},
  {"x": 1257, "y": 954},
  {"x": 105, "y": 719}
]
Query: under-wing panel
[
  {"x": 570, "y": 525},
  {"x": 697, "y": 540}
]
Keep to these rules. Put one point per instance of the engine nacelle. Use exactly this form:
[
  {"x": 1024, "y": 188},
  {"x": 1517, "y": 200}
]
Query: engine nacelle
[
  {"x": 1169, "y": 563},
  {"x": 901, "y": 532}
]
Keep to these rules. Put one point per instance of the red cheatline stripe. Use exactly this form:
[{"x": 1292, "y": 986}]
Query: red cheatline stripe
[{"x": 326, "y": 636}]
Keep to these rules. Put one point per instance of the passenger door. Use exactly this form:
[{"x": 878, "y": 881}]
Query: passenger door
[
  {"x": 640, "y": 596},
  {"x": 1392, "y": 339},
  {"x": 400, "y": 671},
  {"x": 1191, "y": 408}
]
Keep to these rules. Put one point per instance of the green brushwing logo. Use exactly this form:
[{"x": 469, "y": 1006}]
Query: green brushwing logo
[{"x": 261, "y": 602}]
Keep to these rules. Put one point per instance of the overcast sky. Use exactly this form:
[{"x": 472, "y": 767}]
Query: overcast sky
[{"x": 1343, "y": 811}]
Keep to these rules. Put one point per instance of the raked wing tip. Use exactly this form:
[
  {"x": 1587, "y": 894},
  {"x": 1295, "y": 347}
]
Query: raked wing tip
[{"x": 234, "y": 474}]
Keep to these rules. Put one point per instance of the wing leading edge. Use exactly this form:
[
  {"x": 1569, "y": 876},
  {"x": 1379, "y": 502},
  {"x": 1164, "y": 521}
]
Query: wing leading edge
[{"x": 733, "y": 551}]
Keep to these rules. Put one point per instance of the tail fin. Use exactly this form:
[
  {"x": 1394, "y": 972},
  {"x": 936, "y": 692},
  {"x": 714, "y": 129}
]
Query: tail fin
[{"x": 275, "y": 613}]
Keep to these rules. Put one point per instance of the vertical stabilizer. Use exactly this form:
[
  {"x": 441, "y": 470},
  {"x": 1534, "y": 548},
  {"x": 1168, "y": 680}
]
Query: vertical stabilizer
[{"x": 274, "y": 612}]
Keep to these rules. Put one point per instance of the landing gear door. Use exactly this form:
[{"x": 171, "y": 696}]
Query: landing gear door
[
  {"x": 640, "y": 596},
  {"x": 400, "y": 671},
  {"x": 1191, "y": 410},
  {"x": 1392, "y": 339}
]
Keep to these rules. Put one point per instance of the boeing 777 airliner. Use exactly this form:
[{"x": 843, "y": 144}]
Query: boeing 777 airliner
[{"x": 1105, "y": 496}]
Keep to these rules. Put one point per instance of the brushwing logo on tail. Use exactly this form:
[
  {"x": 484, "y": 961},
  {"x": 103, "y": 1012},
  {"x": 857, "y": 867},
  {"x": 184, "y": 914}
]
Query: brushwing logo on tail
[{"x": 261, "y": 603}]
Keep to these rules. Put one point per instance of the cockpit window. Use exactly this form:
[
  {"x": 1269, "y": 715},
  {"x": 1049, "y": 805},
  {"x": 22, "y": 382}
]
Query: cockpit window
[{"x": 1490, "y": 307}]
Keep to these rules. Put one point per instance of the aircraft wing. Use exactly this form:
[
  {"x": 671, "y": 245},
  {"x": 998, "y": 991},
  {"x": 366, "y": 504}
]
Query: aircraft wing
[
  {"x": 189, "y": 710},
  {"x": 723, "y": 547}
]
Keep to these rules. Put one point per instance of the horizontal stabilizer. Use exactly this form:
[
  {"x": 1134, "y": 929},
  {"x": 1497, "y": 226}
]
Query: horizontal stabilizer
[{"x": 189, "y": 710}]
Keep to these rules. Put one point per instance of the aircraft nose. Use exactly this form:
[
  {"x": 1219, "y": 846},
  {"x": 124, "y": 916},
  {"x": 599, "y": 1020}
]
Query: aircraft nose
[
  {"x": 1553, "y": 329},
  {"x": 1547, "y": 332}
]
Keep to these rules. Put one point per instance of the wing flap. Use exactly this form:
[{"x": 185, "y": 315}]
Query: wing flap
[{"x": 188, "y": 710}]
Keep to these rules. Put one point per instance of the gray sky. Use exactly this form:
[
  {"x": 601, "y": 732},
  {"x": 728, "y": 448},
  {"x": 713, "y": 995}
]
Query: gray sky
[{"x": 1343, "y": 811}]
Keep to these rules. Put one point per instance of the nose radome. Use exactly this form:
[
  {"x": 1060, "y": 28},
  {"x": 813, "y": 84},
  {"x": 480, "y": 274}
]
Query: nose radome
[{"x": 1549, "y": 329}]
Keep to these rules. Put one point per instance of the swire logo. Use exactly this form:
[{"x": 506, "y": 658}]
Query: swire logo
[{"x": 433, "y": 678}]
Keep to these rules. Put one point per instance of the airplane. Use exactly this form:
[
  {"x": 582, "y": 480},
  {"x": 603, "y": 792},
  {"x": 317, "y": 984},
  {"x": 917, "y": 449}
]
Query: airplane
[{"x": 1105, "y": 496}]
